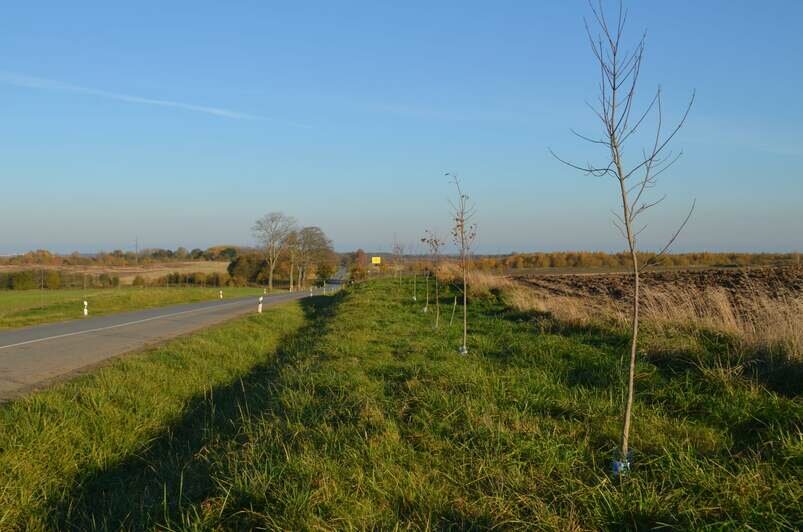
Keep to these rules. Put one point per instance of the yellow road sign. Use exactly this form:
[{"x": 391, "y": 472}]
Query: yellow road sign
[{"x": 376, "y": 260}]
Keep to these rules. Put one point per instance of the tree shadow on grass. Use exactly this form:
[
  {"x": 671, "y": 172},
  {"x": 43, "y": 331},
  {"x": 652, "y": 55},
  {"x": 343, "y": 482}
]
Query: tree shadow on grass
[{"x": 171, "y": 473}]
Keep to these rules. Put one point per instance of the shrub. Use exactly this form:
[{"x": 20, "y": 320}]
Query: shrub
[
  {"x": 22, "y": 281},
  {"x": 246, "y": 268},
  {"x": 53, "y": 279}
]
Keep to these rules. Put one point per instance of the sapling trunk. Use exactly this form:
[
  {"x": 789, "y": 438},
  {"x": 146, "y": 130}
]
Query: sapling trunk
[
  {"x": 631, "y": 242},
  {"x": 426, "y": 304},
  {"x": 437, "y": 303},
  {"x": 465, "y": 308}
]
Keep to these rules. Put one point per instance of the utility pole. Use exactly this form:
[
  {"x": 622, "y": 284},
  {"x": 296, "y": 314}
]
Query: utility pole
[{"x": 136, "y": 251}]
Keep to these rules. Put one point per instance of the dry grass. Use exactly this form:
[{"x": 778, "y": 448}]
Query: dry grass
[{"x": 762, "y": 321}]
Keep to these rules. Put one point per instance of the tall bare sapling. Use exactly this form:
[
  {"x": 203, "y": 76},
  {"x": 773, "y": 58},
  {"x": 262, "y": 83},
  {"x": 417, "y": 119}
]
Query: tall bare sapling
[
  {"x": 464, "y": 232},
  {"x": 633, "y": 175},
  {"x": 434, "y": 243}
]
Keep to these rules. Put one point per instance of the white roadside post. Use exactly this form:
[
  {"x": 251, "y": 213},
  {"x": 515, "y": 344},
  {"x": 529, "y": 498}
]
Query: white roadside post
[
  {"x": 264, "y": 291},
  {"x": 220, "y": 294},
  {"x": 310, "y": 291},
  {"x": 259, "y": 306},
  {"x": 86, "y": 308},
  {"x": 324, "y": 288}
]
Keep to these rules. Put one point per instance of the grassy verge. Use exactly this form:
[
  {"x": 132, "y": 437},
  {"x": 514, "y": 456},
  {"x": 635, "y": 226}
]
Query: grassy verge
[
  {"x": 32, "y": 307},
  {"x": 352, "y": 411},
  {"x": 138, "y": 426}
]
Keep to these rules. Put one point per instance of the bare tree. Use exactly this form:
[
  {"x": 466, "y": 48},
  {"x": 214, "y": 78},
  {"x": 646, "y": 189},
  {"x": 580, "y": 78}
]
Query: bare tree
[
  {"x": 292, "y": 241},
  {"x": 619, "y": 77},
  {"x": 434, "y": 243},
  {"x": 313, "y": 247},
  {"x": 464, "y": 232},
  {"x": 271, "y": 231},
  {"x": 398, "y": 258}
]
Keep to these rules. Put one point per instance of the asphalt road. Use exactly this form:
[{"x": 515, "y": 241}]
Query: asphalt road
[{"x": 35, "y": 356}]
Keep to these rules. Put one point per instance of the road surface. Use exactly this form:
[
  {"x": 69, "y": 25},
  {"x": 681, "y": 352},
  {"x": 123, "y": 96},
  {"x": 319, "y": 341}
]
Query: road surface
[{"x": 35, "y": 356}]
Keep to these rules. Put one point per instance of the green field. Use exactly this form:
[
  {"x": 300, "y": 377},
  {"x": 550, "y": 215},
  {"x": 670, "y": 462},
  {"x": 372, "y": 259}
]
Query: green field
[
  {"x": 350, "y": 411},
  {"x": 21, "y": 308}
]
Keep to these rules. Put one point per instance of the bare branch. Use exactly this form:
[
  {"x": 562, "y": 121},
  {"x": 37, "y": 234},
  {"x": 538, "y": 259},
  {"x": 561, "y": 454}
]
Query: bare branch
[
  {"x": 655, "y": 259},
  {"x": 588, "y": 169}
]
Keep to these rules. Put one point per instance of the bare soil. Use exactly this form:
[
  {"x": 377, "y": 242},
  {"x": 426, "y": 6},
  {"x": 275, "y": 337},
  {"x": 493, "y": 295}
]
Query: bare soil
[{"x": 775, "y": 282}]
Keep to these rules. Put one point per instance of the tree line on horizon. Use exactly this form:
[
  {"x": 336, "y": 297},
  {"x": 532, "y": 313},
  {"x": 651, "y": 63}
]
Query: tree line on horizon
[
  {"x": 359, "y": 261},
  {"x": 118, "y": 257}
]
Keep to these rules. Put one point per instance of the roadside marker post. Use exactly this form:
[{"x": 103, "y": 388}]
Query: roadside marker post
[
  {"x": 310, "y": 291},
  {"x": 86, "y": 309},
  {"x": 221, "y": 294},
  {"x": 259, "y": 306}
]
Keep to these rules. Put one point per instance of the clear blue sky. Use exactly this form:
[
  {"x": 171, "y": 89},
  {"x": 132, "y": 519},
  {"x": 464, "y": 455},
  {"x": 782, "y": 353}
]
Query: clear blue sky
[{"x": 182, "y": 122}]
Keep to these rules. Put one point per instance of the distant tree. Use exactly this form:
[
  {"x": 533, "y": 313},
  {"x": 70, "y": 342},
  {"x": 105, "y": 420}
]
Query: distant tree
[
  {"x": 271, "y": 231},
  {"x": 292, "y": 246},
  {"x": 313, "y": 247},
  {"x": 138, "y": 281},
  {"x": 52, "y": 279},
  {"x": 325, "y": 270},
  {"x": 229, "y": 253},
  {"x": 359, "y": 265},
  {"x": 464, "y": 232},
  {"x": 398, "y": 258},
  {"x": 246, "y": 268},
  {"x": 619, "y": 69}
]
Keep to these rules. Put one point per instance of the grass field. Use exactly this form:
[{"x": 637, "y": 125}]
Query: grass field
[
  {"x": 21, "y": 308},
  {"x": 351, "y": 411}
]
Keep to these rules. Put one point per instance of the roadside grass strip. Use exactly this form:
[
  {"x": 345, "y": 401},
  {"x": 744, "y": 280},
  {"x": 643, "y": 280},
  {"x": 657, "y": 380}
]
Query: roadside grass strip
[{"x": 352, "y": 411}]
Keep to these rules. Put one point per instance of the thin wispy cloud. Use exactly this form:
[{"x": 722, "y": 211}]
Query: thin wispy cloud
[{"x": 32, "y": 82}]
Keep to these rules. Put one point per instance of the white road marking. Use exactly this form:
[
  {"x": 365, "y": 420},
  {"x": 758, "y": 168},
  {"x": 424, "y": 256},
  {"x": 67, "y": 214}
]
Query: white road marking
[{"x": 76, "y": 333}]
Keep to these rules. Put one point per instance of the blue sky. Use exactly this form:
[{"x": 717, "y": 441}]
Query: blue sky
[{"x": 182, "y": 122}]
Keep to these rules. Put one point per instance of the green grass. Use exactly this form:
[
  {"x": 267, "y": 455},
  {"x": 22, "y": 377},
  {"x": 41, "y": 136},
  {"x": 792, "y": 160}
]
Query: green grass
[
  {"x": 21, "y": 308},
  {"x": 351, "y": 412}
]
